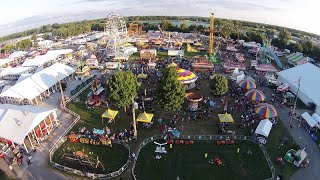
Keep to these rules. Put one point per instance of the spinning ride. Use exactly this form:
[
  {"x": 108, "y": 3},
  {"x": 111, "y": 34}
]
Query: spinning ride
[
  {"x": 187, "y": 78},
  {"x": 194, "y": 99}
]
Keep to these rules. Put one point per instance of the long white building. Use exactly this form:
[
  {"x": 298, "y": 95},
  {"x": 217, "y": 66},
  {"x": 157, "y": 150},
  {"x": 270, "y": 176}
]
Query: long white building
[{"x": 34, "y": 88}]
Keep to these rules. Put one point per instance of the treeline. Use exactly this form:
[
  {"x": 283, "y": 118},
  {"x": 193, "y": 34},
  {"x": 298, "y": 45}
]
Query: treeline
[
  {"x": 248, "y": 31},
  {"x": 75, "y": 28}
]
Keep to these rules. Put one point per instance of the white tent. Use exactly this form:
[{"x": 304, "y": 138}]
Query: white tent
[
  {"x": 17, "y": 54},
  {"x": 311, "y": 122},
  {"x": 17, "y": 121},
  {"x": 309, "y": 85},
  {"x": 264, "y": 128},
  {"x": 316, "y": 117},
  {"x": 14, "y": 73},
  {"x": 5, "y": 62},
  {"x": 38, "y": 83},
  {"x": 39, "y": 60},
  {"x": 59, "y": 52}
]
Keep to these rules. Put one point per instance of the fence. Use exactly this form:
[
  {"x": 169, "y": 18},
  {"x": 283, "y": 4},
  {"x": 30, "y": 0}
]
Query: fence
[
  {"x": 63, "y": 138},
  {"x": 208, "y": 138}
]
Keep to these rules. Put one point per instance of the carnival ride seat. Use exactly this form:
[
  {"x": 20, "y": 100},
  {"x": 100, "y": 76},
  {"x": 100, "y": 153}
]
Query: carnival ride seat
[{"x": 160, "y": 149}]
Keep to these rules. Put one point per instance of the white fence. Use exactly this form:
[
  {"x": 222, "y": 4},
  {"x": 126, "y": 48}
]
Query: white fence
[
  {"x": 208, "y": 138},
  {"x": 63, "y": 138}
]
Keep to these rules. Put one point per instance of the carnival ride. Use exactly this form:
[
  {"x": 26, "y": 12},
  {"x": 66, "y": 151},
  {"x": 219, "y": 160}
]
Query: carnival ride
[
  {"x": 194, "y": 99},
  {"x": 298, "y": 158},
  {"x": 115, "y": 35},
  {"x": 212, "y": 51},
  {"x": 135, "y": 29},
  {"x": 96, "y": 95},
  {"x": 265, "y": 55},
  {"x": 201, "y": 64},
  {"x": 191, "y": 49}
]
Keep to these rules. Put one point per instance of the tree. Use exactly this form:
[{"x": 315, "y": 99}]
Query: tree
[
  {"x": 170, "y": 92},
  {"x": 184, "y": 26},
  {"x": 298, "y": 47},
  {"x": 218, "y": 85},
  {"x": 316, "y": 53},
  {"x": 285, "y": 34},
  {"x": 280, "y": 43},
  {"x": 45, "y": 36},
  {"x": 164, "y": 25},
  {"x": 122, "y": 88}
]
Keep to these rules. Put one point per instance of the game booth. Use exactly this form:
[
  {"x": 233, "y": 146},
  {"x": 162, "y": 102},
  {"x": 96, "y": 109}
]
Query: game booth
[
  {"x": 109, "y": 115},
  {"x": 229, "y": 67},
  {"x": 263, "y": 130},
  {"x": 237, "y": 75},
  {"x": 263, "y": 68}
]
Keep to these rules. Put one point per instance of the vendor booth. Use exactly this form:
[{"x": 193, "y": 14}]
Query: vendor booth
[
  {"x": 109, "y": 114},
  {"x": 145, "y": 117},
  {"x": 263, "y": 130}
]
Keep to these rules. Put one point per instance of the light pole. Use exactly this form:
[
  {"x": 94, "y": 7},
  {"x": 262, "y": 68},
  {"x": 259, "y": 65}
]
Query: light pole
[
  {"x": 135, "y": 133},
  {"x": 295, "y": 103},
  {"x": 62, "y": 93}
]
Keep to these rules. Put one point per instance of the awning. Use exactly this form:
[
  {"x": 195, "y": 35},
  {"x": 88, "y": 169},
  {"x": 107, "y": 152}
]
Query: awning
[
  {"x": 264, "y": 128},
  {"x": 110, "y": 114},
  {"x": 145, "y": 117},
  {"x": 142, "y": 76},
  {"x": 225, "y": 118}
]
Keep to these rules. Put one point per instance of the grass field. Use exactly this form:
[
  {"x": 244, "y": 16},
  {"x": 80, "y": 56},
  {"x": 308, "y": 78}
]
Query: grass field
[
  {"x": 111, "y": 158},
  {"x": 188, "y": 162},
  {"x": 92, "y": 119}
]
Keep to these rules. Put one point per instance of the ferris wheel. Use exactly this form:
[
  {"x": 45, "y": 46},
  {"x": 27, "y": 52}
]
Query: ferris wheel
[{"x": 116, "y": 34}]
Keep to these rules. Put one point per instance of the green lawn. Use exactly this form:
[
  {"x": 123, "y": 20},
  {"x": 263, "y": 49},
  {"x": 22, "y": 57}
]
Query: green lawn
[
  {"x": 278, "y": 132},
  {"x": 188, "y": 162},
  {"x": 92, "y": 119},
  {"x": 112, "y": 158}
]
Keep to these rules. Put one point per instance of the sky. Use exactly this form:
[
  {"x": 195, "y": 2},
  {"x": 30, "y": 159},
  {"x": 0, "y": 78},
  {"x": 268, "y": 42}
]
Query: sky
[{"x": 297, "y": 14}]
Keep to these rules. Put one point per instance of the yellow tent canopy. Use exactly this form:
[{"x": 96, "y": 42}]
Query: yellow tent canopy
[
  {"x": 145, "y": 117},
  {"x": 158, "y": 42},
  {"x": 198, "y": 44},
  {"x": 127, "y": 44},
  {"x": 172, "y": 65},
  {"x": 109, "y": 114},
  {"x": 142, "y": 76},
  {"x": 140, "y": 43},
  {"x": 178, "y": 43},
  {"x": 226, "y": 118}
]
